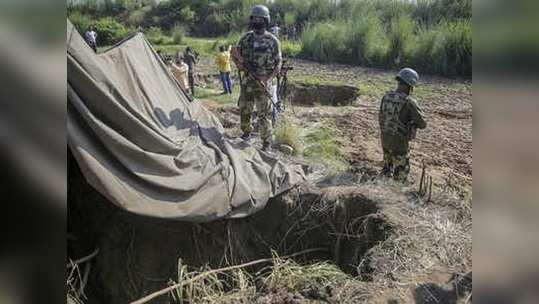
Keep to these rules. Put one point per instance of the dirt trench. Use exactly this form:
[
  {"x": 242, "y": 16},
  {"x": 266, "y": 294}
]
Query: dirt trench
[
  {"x": 139, "y": 255},
  {"x": 322, "y": 94}
]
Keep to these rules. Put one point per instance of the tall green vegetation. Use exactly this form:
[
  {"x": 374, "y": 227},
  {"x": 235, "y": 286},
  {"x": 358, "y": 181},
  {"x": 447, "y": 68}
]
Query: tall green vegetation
[
  {"x": 434, "y": 36},
  {"x": 394, "y": 34}
]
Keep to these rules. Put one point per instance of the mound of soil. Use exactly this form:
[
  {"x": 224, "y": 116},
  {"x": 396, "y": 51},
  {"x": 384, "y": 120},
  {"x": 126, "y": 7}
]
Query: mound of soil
[
  {"x": 323, "y": 94},
  {"x": 139, "y": 255}
]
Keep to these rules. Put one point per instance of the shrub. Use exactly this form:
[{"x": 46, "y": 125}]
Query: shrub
[
  {"x": 81, "y": 21},
  {"x": 136, "y": 18},
  {"x": 155, "y": 36},
  {"x": 290, "y": 48},
  {"x": 109, "y": 31},
  {"x": 325, "y": 42},
  {"x": 445, "y": 49},
  {"x": 287, "y": 133},
  {"x": 178, "y": 34},
  {"x": 427, "y": 54},
  {"x": 368, "y": 41},
  {"x": 320, "y": 145},
  {"x": 215, "y": 24},
  {"x": 458, "y": 48},
  {"x": 400, "y": 38}
]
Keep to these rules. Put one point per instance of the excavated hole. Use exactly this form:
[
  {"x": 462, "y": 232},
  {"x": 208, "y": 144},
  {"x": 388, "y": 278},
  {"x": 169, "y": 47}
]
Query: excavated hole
[
  {"x": 322, "y": 94},
  {"x": 139, "y": 255}
]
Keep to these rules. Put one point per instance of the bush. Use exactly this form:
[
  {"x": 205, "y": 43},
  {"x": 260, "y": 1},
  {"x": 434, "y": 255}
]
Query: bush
[
  {"x": 368, "y": 41},
  {"x": 178, "y": 34},
  {"x": 356, "y": 42},
  {"x": 400, "y": 40},
  {"x": 445, "y": 49},
  {"x": 136, "y": 18},
  {"x": 286, "y": 133},
  {"x": 156, "y": 36},
  {"x": 81, "y": 21},
  {"x": 325, "y": 42},
  {"x": 458, "y": 48},
  {"x": 427, "y": 53},
  {"x": 109, "y": 31},
  {"x": 290, "y": 48}
]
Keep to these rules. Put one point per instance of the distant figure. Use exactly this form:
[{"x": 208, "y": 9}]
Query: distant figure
[
  {"x": 91, "y": 38},
  {"x": 223, "y": 64},
  {"x": 275, "y": 29},
  {"x": 399, "y": 117},
  {"x": 191, "y": 58},
  {"x": 180, "y": 70},
  {"x": 293, "y": 33}
]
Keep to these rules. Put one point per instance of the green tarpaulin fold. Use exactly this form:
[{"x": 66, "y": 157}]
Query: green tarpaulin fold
[{"x": 142, "y": 144}]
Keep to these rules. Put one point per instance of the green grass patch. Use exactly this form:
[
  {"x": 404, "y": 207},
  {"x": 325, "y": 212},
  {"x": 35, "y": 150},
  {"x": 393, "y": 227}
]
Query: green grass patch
[
  {"x": 290, "y": 48},
  {"x": 214, "y": 94},
  {"x": 286, "y": 133},
  {"x": 320, "y": 145}
]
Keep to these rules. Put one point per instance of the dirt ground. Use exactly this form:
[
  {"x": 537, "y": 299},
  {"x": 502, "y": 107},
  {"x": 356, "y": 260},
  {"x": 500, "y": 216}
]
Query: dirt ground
[
  {"x": 445, "y": 146},
  {"x": 395, "y": 246}
]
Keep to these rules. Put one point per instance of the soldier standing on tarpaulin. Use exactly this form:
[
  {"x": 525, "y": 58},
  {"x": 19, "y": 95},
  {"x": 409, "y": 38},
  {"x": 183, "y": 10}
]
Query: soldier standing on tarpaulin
[{"x": 260, "y": 52}]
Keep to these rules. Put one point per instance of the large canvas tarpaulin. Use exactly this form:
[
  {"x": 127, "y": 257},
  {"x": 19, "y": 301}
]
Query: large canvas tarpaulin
[{"x": 141, "y": 143}]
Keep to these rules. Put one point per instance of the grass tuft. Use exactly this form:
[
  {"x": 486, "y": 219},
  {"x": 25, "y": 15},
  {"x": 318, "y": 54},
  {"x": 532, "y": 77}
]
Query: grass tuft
[
  {"x": 320, "y": 145},
  {"x": 287, "y": 133}
]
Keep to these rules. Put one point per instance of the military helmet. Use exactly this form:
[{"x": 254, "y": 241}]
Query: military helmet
[
  {"x": 408, "y": 76},
  {"x": 261, "y": 11}
]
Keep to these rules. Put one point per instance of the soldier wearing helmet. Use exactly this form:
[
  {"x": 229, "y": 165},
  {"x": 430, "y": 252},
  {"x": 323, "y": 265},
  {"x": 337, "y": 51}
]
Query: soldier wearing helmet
[
  {"x": 261, "y": 52},
  {"x": 399, "y": 117}
]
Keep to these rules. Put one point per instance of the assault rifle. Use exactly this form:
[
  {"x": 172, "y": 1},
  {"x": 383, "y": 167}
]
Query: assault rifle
[
  {"x": 242, "y": 66},
  {"x": 282, "y": 83}
]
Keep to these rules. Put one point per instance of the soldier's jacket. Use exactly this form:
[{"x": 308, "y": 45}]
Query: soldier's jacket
[
  {"x": 260, "y": 52},
  {"x": 398, "y": 117},
  {"x": 190, "y": 59}
]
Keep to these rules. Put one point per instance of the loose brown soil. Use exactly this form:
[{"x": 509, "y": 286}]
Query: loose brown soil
[
  {"x": 445, "y": 147},
  {"x": 398, "y": 247}
]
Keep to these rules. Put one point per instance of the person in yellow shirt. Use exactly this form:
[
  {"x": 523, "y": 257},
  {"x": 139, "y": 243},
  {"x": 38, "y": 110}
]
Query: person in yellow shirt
[{"x": 223, "y": 64}]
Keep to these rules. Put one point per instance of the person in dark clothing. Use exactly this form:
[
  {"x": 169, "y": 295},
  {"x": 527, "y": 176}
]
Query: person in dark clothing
[{"x": 191, "y": 58}]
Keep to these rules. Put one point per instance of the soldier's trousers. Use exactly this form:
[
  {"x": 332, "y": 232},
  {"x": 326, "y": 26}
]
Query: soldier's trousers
[
  {"x": 396, "y": 165},
  {"x": 250, "y": 97},
  {"x": 191, "y": 77}
]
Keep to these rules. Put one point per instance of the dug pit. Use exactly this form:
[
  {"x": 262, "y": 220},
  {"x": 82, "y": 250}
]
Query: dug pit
[
  {"x": 322, "y": 94},
  {"x": 140, "y": 255}
]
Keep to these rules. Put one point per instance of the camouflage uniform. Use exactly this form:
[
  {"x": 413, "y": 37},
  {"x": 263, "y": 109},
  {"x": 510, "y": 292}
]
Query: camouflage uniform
[
  {"x": 261, "y": 54},
  {"x": 399, "y": 116}
]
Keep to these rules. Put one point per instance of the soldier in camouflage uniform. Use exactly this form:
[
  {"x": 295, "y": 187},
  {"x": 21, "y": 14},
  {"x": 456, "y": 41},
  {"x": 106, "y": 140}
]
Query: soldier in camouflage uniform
[
  {"x": 261, "y": 53},
  {"x": 399, "y": 118}
]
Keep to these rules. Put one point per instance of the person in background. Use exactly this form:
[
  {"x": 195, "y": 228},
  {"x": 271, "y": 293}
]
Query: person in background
[
  {"x": 91, "y": 38},
  {"x": 191, "y": 59},
  {"x": 293, "y": 33},
  {"x": 399, "y": 117},
  {"x": 275, "y": 29},
  {"x": 179, "y": 70},
  {"x": 223, "y": 64}
]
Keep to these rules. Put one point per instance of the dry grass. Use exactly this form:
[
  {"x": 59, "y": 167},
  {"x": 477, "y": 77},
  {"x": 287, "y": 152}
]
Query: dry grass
[
  {"x": 427, "y": 239},
  {"x": 424, "y": 239},
  {"x": 286, "y": 132},
  {"x": 239, "y": 286}
]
